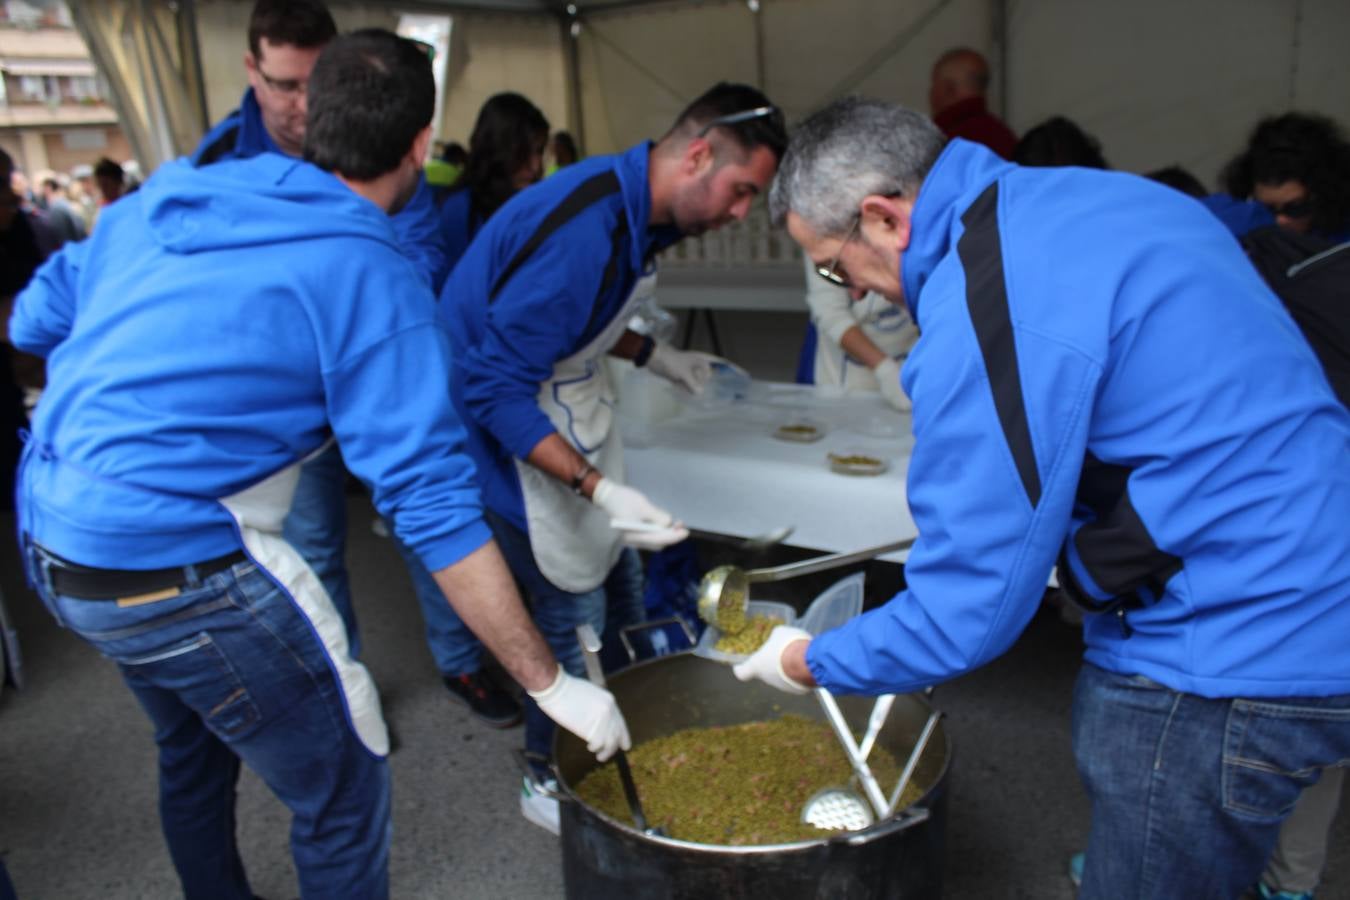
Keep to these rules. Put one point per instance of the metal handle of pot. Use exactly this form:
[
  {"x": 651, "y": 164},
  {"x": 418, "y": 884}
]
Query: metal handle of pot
[
  {"x": 824, "y": 563},
  {"x": 654, "y": 623},
  {"x": 879, "y": 831}
]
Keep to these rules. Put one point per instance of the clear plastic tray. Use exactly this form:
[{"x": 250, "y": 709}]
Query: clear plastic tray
[
  {"x": 834, "y": 606},
  {"x": 784, "y": 613}
]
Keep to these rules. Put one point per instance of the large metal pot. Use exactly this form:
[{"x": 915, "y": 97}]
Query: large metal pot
[{"x": 605, "y": 857}]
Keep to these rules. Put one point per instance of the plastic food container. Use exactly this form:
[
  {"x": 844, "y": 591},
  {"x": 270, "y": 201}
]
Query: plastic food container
[{"x": 784, "y": 613}]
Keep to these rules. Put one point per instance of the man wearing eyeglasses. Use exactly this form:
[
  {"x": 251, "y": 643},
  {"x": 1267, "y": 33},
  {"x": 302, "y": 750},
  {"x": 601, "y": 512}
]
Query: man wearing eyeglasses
[
  {"x": 285, "y": 38},
  {"x": 1102, "y": 383},
  {"x": 543, "y": 293}
]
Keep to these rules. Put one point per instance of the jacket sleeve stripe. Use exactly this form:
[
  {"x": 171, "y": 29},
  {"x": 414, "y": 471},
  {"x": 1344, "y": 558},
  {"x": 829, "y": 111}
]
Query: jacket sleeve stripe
[
  {"x": 588, "y": 192},
  {"x": 981, "y": 254}
]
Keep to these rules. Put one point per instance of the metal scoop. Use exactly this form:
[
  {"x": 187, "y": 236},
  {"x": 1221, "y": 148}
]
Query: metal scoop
[
  {"x": 724, "y": 591},
  {"x": 842, "y": 807}
]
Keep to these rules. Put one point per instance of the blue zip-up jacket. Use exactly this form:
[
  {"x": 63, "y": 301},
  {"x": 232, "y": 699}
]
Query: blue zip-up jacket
[
  {"x": 459, "y": 225},
  {"x": 242, "y": 134},
  {"x": 1102, "y": 372},
  {"x": 216, "y": 328},
  {"x": 543, "y": 277}
]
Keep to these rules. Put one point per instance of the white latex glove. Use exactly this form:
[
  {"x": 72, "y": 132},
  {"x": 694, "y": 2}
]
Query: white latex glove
[
  {"x": 653, "y": 527},
  {"x": 888, "y": 377},
  {"x": 688, "y": 368},
  {"x": 589, "y": 712},
  {"x": 766, "y": 663}
]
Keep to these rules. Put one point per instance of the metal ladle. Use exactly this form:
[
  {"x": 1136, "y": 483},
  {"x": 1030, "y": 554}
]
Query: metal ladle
[
  {"x": 590, "y": 650},
  {"x": 724, "y": 591}
]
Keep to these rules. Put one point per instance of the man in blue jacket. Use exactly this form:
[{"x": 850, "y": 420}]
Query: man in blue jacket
[
  {"x": 1102, "y": 382},
  {"x": 285, "y": 38},
  {"x": 221, "y": 326},
  {"x": 543, "y": 293}
]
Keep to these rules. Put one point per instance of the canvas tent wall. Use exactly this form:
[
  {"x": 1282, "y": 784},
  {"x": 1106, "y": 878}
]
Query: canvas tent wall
[{"x": 1157, "y": 82}]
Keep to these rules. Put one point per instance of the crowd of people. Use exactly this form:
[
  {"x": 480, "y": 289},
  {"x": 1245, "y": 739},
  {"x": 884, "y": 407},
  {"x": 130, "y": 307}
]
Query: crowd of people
[{"x": 1132, "y": 407}]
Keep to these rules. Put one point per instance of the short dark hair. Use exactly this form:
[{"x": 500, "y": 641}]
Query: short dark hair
[
  {"x": 370, "y": 94},
  {"x": 106, "y": 168},
  {"x": 1059, "y": 141},
  {"x": 565, "y": 145},
  {"x": 725, "y": 98},
  {"x": 300, "y": 23},
  {"x": 1179, "y": 179}
]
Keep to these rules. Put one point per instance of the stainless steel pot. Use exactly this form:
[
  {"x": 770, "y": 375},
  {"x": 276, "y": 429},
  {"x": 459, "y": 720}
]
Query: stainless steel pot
[{"x": 604, "y": 857}]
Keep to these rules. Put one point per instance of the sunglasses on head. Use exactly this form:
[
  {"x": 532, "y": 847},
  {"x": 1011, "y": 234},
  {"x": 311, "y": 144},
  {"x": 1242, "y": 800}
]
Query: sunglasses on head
[{"x": 748, "y": 115}]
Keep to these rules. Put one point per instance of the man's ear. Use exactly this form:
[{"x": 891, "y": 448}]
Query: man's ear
[
  {"x": 418, "y": 151},
  {"x": 698, "y": 156},
  {"x": 886, "y": 220}
]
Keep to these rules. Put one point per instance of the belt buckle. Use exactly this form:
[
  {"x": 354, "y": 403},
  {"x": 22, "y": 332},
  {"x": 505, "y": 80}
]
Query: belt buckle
[{"x": 150, "y": 597}]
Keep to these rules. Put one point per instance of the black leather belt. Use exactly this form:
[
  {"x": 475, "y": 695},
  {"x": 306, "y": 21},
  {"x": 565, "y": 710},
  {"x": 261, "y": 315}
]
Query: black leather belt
[{"x": 87, "y": 583}]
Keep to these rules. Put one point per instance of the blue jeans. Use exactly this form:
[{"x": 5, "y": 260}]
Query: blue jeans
[
  {"x": 456, "y": 650},
  {"x": 316, "y": 527},
  {"x": 557, "y": 613},
  {"x": 1188, "y": 793},
  {"x": 231, "y": 670}
]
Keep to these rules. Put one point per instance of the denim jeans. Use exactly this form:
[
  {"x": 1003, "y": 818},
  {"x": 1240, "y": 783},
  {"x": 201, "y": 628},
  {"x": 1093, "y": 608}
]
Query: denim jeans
[
  {"x": 456, "y": 650},
  {"x": 316, "y": 527},
  {"x": 557, "y": 613},
  {"x": 231, "y": 670},
  {"x": 1187, "y": 792}
]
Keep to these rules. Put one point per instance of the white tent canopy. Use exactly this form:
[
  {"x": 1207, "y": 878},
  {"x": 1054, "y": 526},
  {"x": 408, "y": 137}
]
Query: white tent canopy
[{"x": 1157, "y": 82}]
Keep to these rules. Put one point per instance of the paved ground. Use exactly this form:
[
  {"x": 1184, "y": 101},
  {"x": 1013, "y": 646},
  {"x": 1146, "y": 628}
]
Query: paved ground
[{"x": 77, "y": 769}]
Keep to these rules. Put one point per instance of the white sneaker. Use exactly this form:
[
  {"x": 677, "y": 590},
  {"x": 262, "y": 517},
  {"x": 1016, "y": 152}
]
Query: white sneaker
[{"x": 537, "y": 806}]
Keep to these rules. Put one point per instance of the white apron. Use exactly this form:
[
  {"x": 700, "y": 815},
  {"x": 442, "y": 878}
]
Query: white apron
[
  {"x": 570, "y": 537},
  {"x": 259, "y": 512}
]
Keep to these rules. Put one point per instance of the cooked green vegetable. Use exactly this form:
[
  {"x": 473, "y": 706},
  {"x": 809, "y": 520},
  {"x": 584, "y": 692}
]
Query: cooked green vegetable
[
  {"x": 739, "y": 784},
  {"x": 750, "y": 638}
]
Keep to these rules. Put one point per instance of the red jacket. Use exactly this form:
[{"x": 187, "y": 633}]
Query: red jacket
[{"x": 972, "y": 120}]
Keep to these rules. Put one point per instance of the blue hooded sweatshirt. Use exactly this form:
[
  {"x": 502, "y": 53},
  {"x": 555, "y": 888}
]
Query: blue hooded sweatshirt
[
  {"x": 541, "y": 279},
  {"x": 242, "y": 134},
  {"x": 217, "y": 327},
  {"x": 1104, "y": 380}
]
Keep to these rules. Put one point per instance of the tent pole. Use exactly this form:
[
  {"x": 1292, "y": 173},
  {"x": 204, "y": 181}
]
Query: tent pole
[
  {"x": 571, "y": 35},
  {"x": 757, "y": 14},
  {"x": 1001, "y": 42}
]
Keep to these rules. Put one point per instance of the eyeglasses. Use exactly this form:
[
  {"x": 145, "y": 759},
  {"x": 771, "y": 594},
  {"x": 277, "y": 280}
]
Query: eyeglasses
[
  {"x": 288, "y": 87},
  {"x": 831, "y": 272},
  {"x": 748, "y": 115}
]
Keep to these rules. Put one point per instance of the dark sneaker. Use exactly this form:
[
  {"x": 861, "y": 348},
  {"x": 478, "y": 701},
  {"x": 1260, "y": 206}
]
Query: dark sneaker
[{"x": 485, "y": 699}]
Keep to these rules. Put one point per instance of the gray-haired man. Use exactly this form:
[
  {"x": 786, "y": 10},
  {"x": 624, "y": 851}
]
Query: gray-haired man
[{"x": 1102, "y": 382}]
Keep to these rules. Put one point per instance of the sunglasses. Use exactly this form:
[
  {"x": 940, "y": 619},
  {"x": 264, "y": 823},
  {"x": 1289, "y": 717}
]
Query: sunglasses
[
  {"x": 1294, "y": 209},
  {"x": 831, "y": 273},
  {"x": 748, "y": 115}
]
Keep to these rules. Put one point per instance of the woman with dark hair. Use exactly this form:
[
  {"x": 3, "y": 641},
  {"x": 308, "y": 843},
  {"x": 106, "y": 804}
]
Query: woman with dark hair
[
  {"x": 1298, "y": 166},
  {"x": 506, "y": 153}
]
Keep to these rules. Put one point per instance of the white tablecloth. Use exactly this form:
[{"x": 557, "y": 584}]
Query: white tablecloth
[{"x": 718, "y": 467}]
